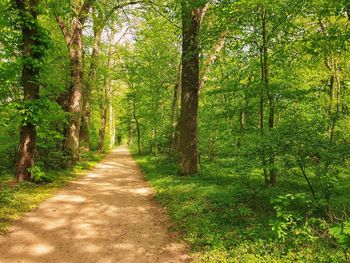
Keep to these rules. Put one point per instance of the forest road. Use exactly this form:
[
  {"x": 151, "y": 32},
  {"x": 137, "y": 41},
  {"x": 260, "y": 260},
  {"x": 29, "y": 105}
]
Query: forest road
[{"x": 106, "y": 216}]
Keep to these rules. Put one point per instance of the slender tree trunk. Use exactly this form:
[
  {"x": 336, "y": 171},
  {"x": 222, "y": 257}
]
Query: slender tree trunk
[
  {"x": 334, "y": 97},
  {"x": 241, "y": 126},
  {"x": 90, "y": 83},
  {"x": 272, "y": 170},
  {"x": 219, "y": 45},
  {"x": 137, "y": 124},
  {"x": 30, "y": 72},
  {"x": 106, "y": 101},
  {"x": 261, "y": 119},
  {"x": 191, "y": 21},
  {"x": 103, "y": 110},
  {"x": 111, "y": 122},
  {"x": 331, "y": 107},
  {"x": 175, "y": 114},
  {"x": 102, "y": 131},
  {"x": 131, "y": 132}
]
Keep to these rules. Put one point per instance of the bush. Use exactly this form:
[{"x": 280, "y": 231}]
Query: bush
[
  {"x": 38, "y": 176},
  {"x": 341, "y": 233},
  {"x": 5, "y": 196},
  {"x": 295, "y": 224}
]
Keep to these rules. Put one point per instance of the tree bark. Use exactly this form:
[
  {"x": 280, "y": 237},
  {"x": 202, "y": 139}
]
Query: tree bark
[
  {"x": 174, "y": 146},
  {"x": 191, "y": 21},
  {"x": 265, "y": 66},
  {"x": 137, "y": 124},
  {"x": 131, "y": 132},
  {"x": 71, "y": 142},
  {"x": 86, "y": 115},
  {"x": 30, "y": 72},
  {"x": 105, "y": 103},
  {"x": 219, "y": 45},
  {"x": 74, "y": 40},
  {"x": 102, "y": 131},
  {"x": 111, "y": 121}
]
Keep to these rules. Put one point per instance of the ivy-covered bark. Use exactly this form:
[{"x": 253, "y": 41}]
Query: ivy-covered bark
[{"x": 32, "y": 54}]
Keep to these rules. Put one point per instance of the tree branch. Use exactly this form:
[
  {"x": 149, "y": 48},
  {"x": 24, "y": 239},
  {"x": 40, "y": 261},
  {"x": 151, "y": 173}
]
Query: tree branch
[
  {"x": 84, "y": 10},
  {"x": 212, "y": 57},
  {"x": 64, "y": 29},
  {"x": 119, "y": 6}
]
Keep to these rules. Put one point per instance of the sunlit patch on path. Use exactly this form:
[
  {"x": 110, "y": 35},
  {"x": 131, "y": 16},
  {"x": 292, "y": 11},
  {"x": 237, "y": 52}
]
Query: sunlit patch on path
[{"x": 106, "y": 216}]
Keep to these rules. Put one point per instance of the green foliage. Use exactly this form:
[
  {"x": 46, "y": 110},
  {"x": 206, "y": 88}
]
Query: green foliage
[
  {"x": 342, "y": 235},
  {"x": 39, "y": 176},
  {"x": 227, "y": 217},
  {"x": 295, "y": 222},
  {"x": 5, "y": 196}
]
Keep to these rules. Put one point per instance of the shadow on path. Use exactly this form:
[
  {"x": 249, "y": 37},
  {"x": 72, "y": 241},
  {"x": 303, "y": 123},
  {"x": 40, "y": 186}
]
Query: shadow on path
[{"x": 106, "y": 216}]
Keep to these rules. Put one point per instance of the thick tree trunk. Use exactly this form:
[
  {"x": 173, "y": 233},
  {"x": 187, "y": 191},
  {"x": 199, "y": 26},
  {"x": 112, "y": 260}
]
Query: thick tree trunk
[
  {"x": 86, "y": 115},
  {"x": 30, "y": 72},
  {"x": 72, "y": 102},
  {"x": 191, "y": 21},
  {"x": 71, "y": 142}
]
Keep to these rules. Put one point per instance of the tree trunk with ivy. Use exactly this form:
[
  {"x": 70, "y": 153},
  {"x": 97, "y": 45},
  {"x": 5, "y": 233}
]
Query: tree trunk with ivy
[{"x": 32, "y": 53}]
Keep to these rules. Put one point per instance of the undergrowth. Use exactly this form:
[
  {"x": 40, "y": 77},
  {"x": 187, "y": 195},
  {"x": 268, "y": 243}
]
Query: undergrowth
[{"x": 226, "y": 216}]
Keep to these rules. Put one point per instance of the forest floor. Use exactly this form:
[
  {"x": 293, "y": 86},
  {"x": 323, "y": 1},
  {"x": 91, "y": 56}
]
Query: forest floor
[
  {"x": 108, "y": 215},
  {"x": 226, "y": 214}
]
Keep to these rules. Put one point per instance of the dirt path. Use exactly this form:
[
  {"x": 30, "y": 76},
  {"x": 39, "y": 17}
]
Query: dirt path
[{"x": 106, "y": 216}]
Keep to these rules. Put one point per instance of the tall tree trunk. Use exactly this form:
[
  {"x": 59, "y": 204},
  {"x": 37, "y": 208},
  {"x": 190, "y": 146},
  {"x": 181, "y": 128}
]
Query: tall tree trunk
[
  {"x": 261, "y": 115},
  {"x": 73, "y": 35},
  {"x": 105, "y": 103},
  {"x": 71, "y": 142},
  {"x": 191, "y": 21},
  {"x": 137, "y": 124},
  {"x": 241, "y": 125},
  {"x": 131, "y": 132},
  {"x": 334, "y": 96},
  {"x": 174, "y": 146},
  {"x": 272, "y": 170},
  {"x": 30, "y": 72},
  {"x": 111, "y": 121},
  {"x": 86, "y": 114},
  {"x": 103, "y": 110},
  {"x": 102, "y": 131}
]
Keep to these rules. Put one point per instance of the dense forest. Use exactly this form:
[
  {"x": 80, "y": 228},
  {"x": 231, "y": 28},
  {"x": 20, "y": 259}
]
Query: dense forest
[{"x": 237, "y": 111}]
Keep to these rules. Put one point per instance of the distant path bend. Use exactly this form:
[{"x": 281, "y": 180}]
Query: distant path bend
[{"x": 106, "y": 216}]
